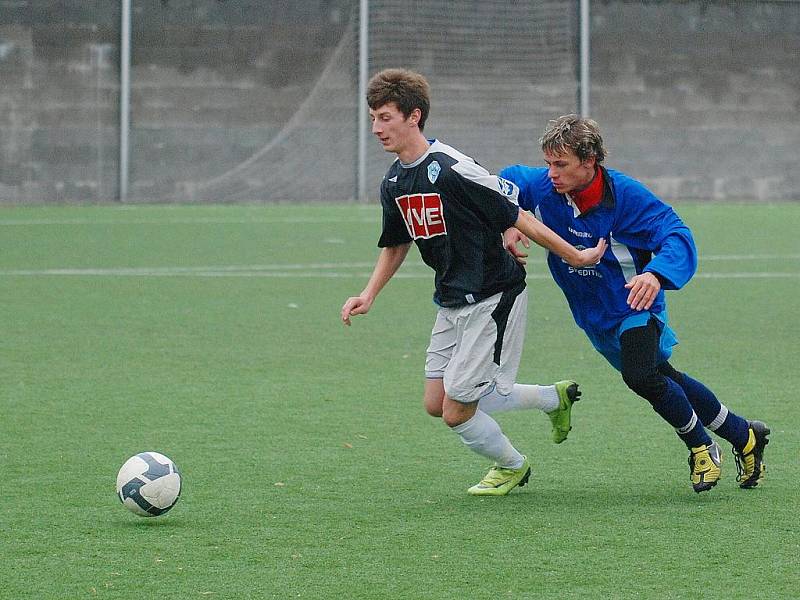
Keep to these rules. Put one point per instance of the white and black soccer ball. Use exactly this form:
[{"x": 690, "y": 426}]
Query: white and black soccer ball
[{"x": 149, "y": 484}]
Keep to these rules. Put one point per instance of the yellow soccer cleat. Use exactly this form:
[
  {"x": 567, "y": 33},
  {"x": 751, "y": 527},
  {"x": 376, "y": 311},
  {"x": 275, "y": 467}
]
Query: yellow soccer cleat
[
  {"x": 750, "y": 461},
  {"x": 704, "y": 466},
  {"x": 561, "y": 418},
  {"x": 499, "y": 480}
]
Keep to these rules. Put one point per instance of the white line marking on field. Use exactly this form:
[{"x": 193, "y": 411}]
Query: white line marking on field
[
  {"x": 760, "y": 275},
  {"x": 723, "y": 257},
  {"x": 192, "y": 221},
  {"x": 308, "y": 271}
]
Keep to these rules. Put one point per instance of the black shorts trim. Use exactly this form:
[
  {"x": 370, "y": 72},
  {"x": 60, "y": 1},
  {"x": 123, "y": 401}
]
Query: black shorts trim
[{"x": 500, "y": 315}]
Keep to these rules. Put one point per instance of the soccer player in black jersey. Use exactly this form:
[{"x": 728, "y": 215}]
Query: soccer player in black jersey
[{"x": 456, "y": 212}]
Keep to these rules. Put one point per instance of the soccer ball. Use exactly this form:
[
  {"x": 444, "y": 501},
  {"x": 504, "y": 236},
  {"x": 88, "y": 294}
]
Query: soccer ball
[{"x": 148, "y": 484}]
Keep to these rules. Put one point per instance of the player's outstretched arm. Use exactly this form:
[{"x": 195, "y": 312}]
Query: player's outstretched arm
[
  {"x": 512, "y": 237},
  {"x": 546, "y": 237},
  {"x": 389, "y": 260}
]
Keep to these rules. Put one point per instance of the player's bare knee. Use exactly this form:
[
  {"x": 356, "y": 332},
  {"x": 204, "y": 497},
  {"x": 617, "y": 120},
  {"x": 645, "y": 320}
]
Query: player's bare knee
[
  {"x": 455, "y": 413},
  {"x": 433, "y": 397},
  {"x": 453, "y": 419},
  {"x": 433, "y": 406}
]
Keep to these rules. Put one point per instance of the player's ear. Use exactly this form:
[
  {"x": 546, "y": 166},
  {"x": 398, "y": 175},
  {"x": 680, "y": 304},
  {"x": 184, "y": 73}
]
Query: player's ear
[{"x": 414, "y": 117}]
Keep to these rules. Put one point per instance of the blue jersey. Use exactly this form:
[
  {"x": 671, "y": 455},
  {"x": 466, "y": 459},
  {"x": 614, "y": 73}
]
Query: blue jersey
[{"x": 643, "y": 233}]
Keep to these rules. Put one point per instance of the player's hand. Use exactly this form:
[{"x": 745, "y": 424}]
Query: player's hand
[
  {"x": 511, "y": 237},
  {"x": 589, "y": 257},
  {"x": 355, "y": 305},
  {"x": 643, "y": 291}
]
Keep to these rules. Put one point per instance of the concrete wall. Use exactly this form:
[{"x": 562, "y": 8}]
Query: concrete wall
[
  {"x": 700, "y": 99},
  {"x": 212, "y": 82},
  {"x": 58, "y": 100},
  {"x": 255, "y": 100},
  {"x": 215, "y": 83}
]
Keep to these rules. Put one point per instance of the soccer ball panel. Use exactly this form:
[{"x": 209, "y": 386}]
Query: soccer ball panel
[
  {"x": 162, "y": 492},
  {"x": 148, "y": 484}
]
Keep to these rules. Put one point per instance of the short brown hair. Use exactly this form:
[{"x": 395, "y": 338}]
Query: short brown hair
[
  {"x": 578, "y": 134},
  {"x": 407, "y": 89}
]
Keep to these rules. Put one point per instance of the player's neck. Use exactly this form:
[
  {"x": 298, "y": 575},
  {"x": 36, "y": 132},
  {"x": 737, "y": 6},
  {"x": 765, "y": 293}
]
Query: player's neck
[
  {"x": 417, "y": 146},
  {"x": 591, "y": 194}
]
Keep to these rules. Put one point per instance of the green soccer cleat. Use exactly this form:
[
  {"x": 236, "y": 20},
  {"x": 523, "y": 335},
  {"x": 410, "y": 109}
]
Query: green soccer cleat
[
  {"x": 704, "y": 465},
  {"x": 499, "y": 481},
  {"x": 568, "y": 394},
  {"x": 750, "y": 461}
]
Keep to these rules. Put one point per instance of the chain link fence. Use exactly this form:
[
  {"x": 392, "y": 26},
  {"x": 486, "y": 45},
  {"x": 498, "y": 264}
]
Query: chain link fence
[{"x": 258, "y": 101}]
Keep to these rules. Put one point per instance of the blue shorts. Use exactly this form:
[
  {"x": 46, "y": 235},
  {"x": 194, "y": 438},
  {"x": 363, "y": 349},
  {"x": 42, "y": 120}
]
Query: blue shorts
[{"x": 607, "y": 343}]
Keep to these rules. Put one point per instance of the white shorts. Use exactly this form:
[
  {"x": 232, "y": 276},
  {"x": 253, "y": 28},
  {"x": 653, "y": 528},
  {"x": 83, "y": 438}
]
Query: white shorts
[{"x": 477, "y": 347}]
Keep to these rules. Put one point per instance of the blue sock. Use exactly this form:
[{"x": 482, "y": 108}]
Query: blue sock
[
  {"x": 714, "y": 414},
  {"x": 675, "y": 409}
]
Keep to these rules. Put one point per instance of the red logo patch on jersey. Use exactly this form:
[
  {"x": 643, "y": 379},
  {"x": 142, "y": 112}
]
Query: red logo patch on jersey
[{"x": 423, "y": 215}]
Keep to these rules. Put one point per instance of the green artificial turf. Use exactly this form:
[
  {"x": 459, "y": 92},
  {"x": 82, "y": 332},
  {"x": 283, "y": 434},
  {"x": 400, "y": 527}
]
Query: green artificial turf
[{"x": 211, "y": 334}]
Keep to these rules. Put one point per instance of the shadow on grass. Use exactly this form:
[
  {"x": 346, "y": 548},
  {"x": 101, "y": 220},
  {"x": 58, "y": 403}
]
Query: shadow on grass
[
  {"x": 151, "y": 522},
  {"x": 585, "y": 500}
]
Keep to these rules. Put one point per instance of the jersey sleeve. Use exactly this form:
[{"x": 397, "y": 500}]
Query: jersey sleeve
[
  {"x": 492, "y": 197},
  {"x": 522, "y": 177},
  {"x": 646, "y": 222},
  {"x": 394, "y": 231}
]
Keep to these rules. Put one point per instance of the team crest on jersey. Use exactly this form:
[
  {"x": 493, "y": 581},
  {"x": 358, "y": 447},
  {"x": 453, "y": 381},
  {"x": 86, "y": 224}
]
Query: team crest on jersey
[
  {"x": 506, "y": 187},
  {"x": 433, "y": 171},
  {"x": 423, "y": 215}
]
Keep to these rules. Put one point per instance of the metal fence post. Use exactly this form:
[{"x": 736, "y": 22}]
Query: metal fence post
[
  {"x": 124, "y": 98},
  {"x": 584, "y": 57},
  {"x": 363, "y": 122}
]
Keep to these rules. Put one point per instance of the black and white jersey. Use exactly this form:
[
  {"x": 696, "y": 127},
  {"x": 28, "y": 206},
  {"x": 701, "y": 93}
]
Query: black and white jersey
[{"x": 455, "y": 211}]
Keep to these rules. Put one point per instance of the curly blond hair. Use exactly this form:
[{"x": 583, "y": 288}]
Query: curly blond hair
[{"x": 573, "y": 133}]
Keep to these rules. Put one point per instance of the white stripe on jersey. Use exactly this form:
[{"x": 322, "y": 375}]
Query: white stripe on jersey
[
  {"x": 469, "y": 169},
  {"x": 576, "y": 212},
  {"x": 624, "y": 258}
]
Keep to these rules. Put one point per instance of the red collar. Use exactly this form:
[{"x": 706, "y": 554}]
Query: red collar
[{"x": 591, "y": 195}]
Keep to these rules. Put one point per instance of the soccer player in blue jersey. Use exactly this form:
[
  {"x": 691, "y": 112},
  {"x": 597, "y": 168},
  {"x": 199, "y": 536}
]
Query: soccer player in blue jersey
[
  {"x": 620, "y": 302},
  {"x": 456, "y": 212}
]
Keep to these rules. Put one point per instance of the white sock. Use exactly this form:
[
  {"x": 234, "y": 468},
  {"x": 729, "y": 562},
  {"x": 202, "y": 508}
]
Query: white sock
[
  {"x": 483, "y": 435},
  {"x": 522, "y": 397}
]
